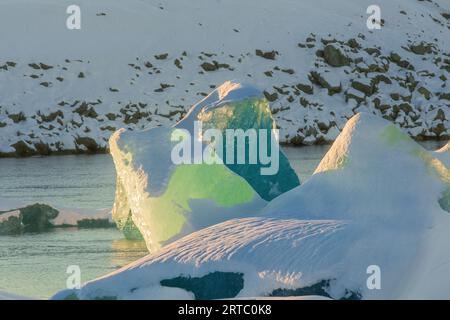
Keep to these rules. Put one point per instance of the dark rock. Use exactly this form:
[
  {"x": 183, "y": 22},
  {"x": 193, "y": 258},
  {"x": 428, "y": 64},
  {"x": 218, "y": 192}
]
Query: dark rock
[
  {"x": 424, "y": 92},
  {"x": 349, "y": 96},
  {"x": 11, "y": 226},
  {"x": 395, "y": 96},
  {"x": 380, "y": 78},
  {"x": 271, "y": 97},
  {"x": 23, "y": 149},
  {"x": 318, "y": 79},
  {"x": 405, "y": 107},
  {"x": 439, "y": 129},
  {"x": 334, "y": 57},
  {"x": 297, "y": 140},
  {"x": 270, "y": 55},
  {"x": 42, "y": 148},
  {"x": 162, "y": 56},
  {"x": 305, "y": 88},
  {"x": 111, "y": 116},
  {"x": 440, "y": 115},
  {"x": 395, "y": 58},
  {"x": 373, "y": 51},
  {"x": 51, "y": 116},
  {"x": 34, "y": 66},
  {"x": 177, "y": 63},
  {"x": 45, "y": 66},
  {"x": 37, "y": 217},
  {"x": 352, "y": 43},
  {"x": 85, "y": 110},
  {"x": 421, "y": 48},
  {"x": 444, "y": 96},
  {"x": 136, "y": 116},
  {"x": 208, "y": 66},
  {"x": 368, "y": 90},
  {"x": 18, "y": 117},
  {"x": 89, "y": 143},
  {"x": 288, "y": 71}
]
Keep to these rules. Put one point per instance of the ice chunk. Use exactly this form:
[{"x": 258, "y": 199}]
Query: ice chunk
[{"x": 166, "y": 200}]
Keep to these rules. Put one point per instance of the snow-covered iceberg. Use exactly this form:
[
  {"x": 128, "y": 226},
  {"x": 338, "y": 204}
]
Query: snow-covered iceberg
[
  {"x": 373, "y": 172},
  {"x": 247, "y": 257},
  {"x": 166, "y": 200},
  {"x": 373, "y": 207}
]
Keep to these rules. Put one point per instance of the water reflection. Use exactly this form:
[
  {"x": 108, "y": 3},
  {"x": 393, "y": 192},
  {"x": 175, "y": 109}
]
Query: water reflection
[{"x": 126, "y": 251}]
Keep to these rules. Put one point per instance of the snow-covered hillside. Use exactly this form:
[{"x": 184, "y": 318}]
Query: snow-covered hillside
[{"x": 139, "y": 64}]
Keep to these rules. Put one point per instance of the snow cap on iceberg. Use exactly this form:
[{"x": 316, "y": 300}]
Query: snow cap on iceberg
[{"x": 372, "y": 170}]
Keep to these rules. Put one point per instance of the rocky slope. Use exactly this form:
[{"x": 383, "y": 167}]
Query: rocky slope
[{"x": 143, "y": 64}]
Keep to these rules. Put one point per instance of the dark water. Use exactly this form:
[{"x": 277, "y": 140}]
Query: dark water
[{"x": 85, "y": 182}]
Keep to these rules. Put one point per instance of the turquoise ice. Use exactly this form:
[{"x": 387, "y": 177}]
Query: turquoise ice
[{"x": 164, "y": 200}]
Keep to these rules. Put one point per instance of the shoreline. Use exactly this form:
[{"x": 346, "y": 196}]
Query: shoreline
[{"x": 36, "y": 153}]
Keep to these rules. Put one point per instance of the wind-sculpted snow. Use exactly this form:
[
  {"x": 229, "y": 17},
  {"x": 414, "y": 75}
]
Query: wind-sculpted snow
[
  {"x": 166, "y": 200},
  {"x": 377, "y": 200},
  {"x": 271, "y": 254}
]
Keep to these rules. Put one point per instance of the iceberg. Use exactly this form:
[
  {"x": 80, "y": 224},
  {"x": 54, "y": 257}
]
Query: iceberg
[
  {"x": 162, "y": 200},
  {"x": 372, "y": 204},
  {"x": 255, "y": 255},
  {"x": 373, "y": 172},
  {"x": 443, "y": 154}
]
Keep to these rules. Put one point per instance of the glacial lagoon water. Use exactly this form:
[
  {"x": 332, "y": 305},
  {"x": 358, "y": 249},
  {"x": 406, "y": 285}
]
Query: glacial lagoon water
[{"x": 35, "y": 265}]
